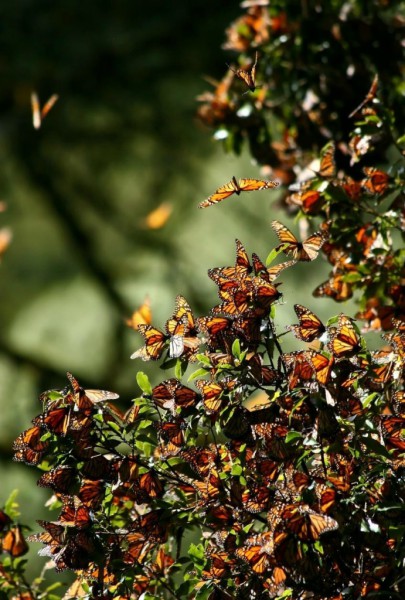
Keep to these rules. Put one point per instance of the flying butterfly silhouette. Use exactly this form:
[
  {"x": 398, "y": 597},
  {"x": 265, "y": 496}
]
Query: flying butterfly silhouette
[
  {"x": 310, "y": 327},
  {"x": 236, "y": 187},
  {"x": 305, "y": 251},
  {"x": 345, "y": 340},
  {"x": 248, "y": 77}
]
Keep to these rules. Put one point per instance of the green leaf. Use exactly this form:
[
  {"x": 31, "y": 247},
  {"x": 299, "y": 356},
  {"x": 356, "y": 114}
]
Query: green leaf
[
  {"x": 198, "y": 373},
  {"x": 292, "y": 435},
  {"x": 236, "y": 348},
  {"x": 375, "y": 447},
  {"x": 143, "y": 381},
  {"x": 180, "y": 368}
]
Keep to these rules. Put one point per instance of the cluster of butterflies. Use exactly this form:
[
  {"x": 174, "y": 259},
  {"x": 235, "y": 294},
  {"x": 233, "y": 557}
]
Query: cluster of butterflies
[{"x": 247, "y": 292}]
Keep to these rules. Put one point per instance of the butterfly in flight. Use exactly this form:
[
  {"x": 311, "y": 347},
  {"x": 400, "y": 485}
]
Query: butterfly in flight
[
  {"x": 306, "y": 250},
  {"x": 38, "y": 113},
  {"x": 236, "y": 187},
  {"x": 248, "y": 77}
]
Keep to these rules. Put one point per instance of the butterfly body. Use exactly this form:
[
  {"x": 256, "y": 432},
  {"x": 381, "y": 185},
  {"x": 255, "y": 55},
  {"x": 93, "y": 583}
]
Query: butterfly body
[{"x": 247, "y": 76}]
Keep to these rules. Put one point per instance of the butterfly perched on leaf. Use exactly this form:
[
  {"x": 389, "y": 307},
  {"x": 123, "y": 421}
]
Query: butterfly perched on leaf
[
  {"x": 327, "y": 167},
  {"x": 307, "y": 524},
  {"x": 247, "y": 76},
  {"x": 305, "y": 251},
  {"x": 345, "y": 341},
  {"x": 310, "y": 327},
  {"x": 236, "y": 187}
]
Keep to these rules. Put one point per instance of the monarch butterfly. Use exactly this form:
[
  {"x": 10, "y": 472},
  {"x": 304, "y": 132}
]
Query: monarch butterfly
[
  {"x": 352, "y": 188},
  {"x": 60, "y": 479},
  {"x": 322, "y": 366},
  {"x": 236, "y": 187},
  {"x": 239, "y": 302},
  {"x": 212, "y": 392},
  {"x": 29, "y": 447},
  {"x": 371, "y": 94},
  {"x": 376, "y": 181},
  {"x": 182, "y": 330},
  {"x": 248, "y": 77},
  {"x": 307, "y": 524},
  {"x": 74, "y": 514},
  {"x": 306, "y": 251},
  {"x": 398, "y": 403},
  {"x": 171, "y": 394},
  {"x": 155, "y": 343},
  {"x": 310, "y": 327},
  {"x": 201, "y": 460},
  {"x": 14, "y": 543},
  {"x": 310, "y": 201},
  {"x": 172, "y": 432},
  {"x": 393, "y": 432},
  {"x": 327, "y": 168},
  {"x": 256, "y": 498},
  {"x": 345, "y": 341},
  {"x": 149, "y": 484},
  {"x": 141, "y": 316},
  {"x": 93, "y": 396},
  {"x": 298, "y": 367},
  {"x": 335, "y": 288},
  {"x": 91, "y": 492},
  {"x": 264, "y": 294}
]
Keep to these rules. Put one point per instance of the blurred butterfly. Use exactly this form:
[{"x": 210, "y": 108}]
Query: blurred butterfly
[
  {"x": 5, "y": 239},
  {"x": 327, "y": 167},
  {"x": 305, "y": 251},
  {"x": 38, "y": 114},
  {"x": 335, "y": 288},
  {"x": 376, "y": 181},
  {"x": 371, "y": 94},
  {"x": 345, "y": 340},
  {"x": 141, "y": 316},
  {"x": 14, "y": 543},
  {"x": 310, "y": 327},
  {"x": 159, "y": 216},
  {"x": 310, "y": 201},
  {"x": 393, "y": 432},
  {"x": 236, "y": 187},
  {"x": 248, "y": 77}
]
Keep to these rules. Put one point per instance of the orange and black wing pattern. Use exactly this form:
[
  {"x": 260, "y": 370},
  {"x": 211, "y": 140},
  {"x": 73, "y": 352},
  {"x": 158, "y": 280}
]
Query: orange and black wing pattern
[
  {"x": 345, "y": 340},
  {"x": 310, "y": 326},
  {"x": 305, "y": 251},
  {"x": 236, "y": 187}
]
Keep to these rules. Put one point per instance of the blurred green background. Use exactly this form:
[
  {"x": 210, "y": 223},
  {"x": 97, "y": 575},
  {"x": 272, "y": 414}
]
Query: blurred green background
[{"x": 122, "y": 139}]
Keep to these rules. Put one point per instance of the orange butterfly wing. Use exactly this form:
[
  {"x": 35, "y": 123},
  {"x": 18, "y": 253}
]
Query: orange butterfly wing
[
  {"x": 310, "y": 327},
  {"x": 345, "y": 340},
  {"x": 221, "y": 193}
]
